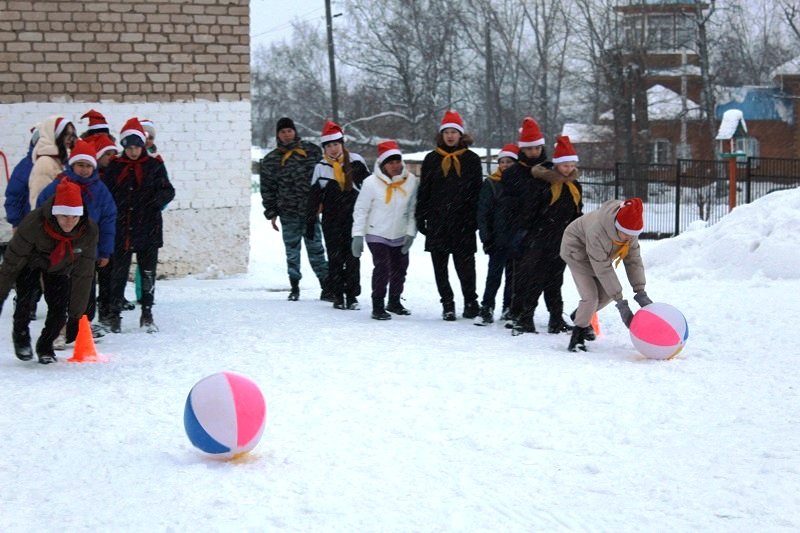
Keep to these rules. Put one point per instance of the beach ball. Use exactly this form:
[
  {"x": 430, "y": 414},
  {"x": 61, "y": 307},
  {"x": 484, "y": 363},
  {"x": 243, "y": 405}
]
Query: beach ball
[
  {"x": 225, "y": 415},
  {"x": 659, "y": 331}
]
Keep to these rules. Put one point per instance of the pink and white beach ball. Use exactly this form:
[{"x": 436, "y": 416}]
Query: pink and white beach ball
[
  {"x": 659, "y": 331},
  {"x": 225, "y": 414}
]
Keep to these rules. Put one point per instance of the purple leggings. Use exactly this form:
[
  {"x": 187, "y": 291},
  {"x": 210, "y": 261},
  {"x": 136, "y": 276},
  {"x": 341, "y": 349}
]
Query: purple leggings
[{"x": 389, "y": 268}]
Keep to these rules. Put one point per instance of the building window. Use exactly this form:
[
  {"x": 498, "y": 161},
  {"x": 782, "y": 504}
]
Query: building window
[
  {"x": 660, "y": 34},
  {"x": 660, "y": 151}
]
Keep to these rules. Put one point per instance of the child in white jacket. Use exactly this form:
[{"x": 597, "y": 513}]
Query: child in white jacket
[{"x": 384, "y": 218}]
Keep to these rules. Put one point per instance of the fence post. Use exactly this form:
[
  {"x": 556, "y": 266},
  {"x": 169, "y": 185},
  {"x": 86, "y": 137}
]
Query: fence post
[
  {"x": 617, "y": 167},
  {"x": 678, "y": 197},
  {"x": 747, "y": 180}
]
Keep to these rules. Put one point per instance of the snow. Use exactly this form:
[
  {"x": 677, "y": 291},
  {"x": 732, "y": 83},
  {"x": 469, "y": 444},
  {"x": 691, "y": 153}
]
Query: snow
[
  {"x": 416, "y": 424},
  {"x": 732, "y": 119},
  {"x": 664, "y": 104},
  {"x": 587, "y": 133}
]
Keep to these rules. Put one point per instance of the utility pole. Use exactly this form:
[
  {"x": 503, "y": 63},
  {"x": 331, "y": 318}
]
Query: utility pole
[{"x": 331, "y": 63}]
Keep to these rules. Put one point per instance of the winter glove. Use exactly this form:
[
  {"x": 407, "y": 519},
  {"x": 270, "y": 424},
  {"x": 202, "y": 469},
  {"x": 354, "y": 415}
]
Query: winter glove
[
  {"x": 72, "y": 330},
  {"x": 625, "y": 312},
  {"x": 642, "y": 298},
  {"x": 422, "y": 227},
  {"x": 309, "y": 234},
  {"x": 357, "y": 246},
  {"x": 408, "y": 240},
  {"x": 488, "y": 248}
]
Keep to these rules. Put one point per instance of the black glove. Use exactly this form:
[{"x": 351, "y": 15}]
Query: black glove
[
  {"x": 422, "y": 227},
  {"x": 488, "y": 248},
  {"x": 625, "y": 312},
  {"x": 642, "y": 298},
  {"x": 72, "y": 329},
  {"x": 357, "y": 246},
  {"x": 309, "y": 234}
]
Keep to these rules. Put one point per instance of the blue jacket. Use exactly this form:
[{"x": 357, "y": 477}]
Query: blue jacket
[
  {"x": 98, "y": 202},
  {"x": 17, "y": 203}
]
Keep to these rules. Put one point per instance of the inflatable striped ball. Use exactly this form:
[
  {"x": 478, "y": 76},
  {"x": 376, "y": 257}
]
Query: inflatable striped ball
[
  {"x": 659, "y": 331},
  {"x": 225, "y": 415}
]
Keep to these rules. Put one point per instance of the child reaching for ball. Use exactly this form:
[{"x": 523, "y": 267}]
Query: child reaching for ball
[{"x": 593, "y": 246}]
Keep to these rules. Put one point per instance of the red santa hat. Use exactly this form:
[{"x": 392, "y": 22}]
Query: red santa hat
[
  {"x": 630, "y": 218},
  {"x": 131, "y": 131},
  {"x": 452, "y": 119},
  {"x": 509, "y": 150},
  {"x": 149, "y": 127},
  {"x": 83, "y": 151},
  {"x": 387, "y": 149},
  {"x": 102, "y": 144},
  {"x": 68, "y": 199},
  {"x": 530, "y": 134},
  {"x": 96, "y": 121},
  {"x": 331, "y": 131},
  {"x": 564, "y": 151},
  {"x": 60, "y": 126}
]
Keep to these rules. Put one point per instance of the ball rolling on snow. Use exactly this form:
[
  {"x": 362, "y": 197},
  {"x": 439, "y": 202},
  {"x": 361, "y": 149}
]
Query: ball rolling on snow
[
  {"x": 659, "y": 331},
  {"x": 225, "y": 414}
]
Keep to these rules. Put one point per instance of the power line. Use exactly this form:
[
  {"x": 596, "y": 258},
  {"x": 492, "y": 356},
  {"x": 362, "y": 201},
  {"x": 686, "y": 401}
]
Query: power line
[{"x": 302, "y": 18}]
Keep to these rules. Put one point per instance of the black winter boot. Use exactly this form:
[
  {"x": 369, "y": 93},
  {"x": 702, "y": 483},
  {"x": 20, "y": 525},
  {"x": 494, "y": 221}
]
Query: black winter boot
[
  {"x": 45, "y": 353},
  {"x": 523, "y": 325},
  {"x": 294, "y": 292},
  {"x": 146, "y": 320},
  {"x": 449, "y": 311},
  {"x": 378, "y": 310},
  {"x": 396, "y": 307},
  {"x": 338, "y": 302},
  {"x": 471, "y": 309},
  {"x": 557, "y": 323},
  {"x": 327, "y": 294},
  {"x": 589, "y": 335},
  {"x": 485, "y": 317},
  {"x": 578, "y": 339},
  {"x": 22, "y": 345},
  {"x": 351, "y": 303}
]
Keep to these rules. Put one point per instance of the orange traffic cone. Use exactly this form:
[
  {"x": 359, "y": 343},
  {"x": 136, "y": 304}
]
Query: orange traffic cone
[
  {"x": 596, "y": 324},
  {"x": 85, "y": 351}
]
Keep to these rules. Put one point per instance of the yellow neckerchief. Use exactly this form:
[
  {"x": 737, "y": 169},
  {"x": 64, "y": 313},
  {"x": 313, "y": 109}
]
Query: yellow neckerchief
[
  {"x": 338, "y": 171},
  {"x": 449, "y": 158},
  {"x": 558, "y": 186},
  {"x": 392, "y": 185},
  {"x": 497, "y": 175},
  {"x": 622, "y": 252},
  {"x": 288, "y": 153}
]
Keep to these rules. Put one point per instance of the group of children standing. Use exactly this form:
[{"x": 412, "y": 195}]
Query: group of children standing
[
  {"x": 528, "y": 215},
  {"x": 79, "y": 211}
]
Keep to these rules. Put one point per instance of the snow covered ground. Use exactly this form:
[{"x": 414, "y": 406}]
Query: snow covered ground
[{"x": 416, "y": 424}]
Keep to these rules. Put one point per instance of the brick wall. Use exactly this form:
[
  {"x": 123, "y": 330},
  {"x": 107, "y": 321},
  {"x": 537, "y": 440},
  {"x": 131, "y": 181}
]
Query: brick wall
[{"x": 182, "y": 63}]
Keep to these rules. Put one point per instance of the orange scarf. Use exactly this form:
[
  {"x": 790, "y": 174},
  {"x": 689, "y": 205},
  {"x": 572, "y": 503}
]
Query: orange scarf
[
  {"x": 390, "y": 187},
  {"x": 288, "y": 153},
  {"x": 497, "y": 175},
  {"x": 557, "y": 187},
  {"x": 450, "y": 158},
  {"x": 622, "y": 251},
  {"x": 338, "y": 171}
]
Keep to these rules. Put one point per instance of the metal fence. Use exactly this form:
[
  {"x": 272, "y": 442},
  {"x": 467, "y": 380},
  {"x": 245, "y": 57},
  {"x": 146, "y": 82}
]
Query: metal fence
[{"x": 678, "y": 195}]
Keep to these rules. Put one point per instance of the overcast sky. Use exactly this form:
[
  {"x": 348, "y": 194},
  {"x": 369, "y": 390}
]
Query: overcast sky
[{"x": 271, "y": 20}]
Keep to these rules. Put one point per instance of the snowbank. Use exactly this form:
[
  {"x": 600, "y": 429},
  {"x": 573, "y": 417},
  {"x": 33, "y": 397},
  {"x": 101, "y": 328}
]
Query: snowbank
[{"x": 757, "y": 239}]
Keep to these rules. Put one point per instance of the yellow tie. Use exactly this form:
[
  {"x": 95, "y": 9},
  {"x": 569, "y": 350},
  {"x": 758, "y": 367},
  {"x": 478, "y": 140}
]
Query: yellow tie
[
  {"x": 497, "y": 175},
  {"x": 297, "y": 150},
  {"x": 622, "y": 252},
  {"x": 557, "y": 187},
  {"x": 390, "y": 187},
  {"x": 338, "y": 171},
  {"x": 450, "y": 158}
]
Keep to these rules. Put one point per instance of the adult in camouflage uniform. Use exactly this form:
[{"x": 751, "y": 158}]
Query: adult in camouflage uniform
[{"x": 285, "y": 187}]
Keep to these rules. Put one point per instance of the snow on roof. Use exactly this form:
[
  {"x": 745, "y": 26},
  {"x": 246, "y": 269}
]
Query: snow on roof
[
  {"x": 664, "y": 104},
  {"x": 729, "y": 125},
  {"x": 756, "y": 102},
  {"x": 790, "y": 68},
  {"x": 587, "y": 133}
]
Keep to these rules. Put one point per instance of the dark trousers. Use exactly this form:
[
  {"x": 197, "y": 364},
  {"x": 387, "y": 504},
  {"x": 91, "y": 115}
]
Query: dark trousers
[
  {"x": 344, "y": 270},
  {"x": 103, "y": 283},
  {"x": 293, "y": 230},
  {"x": 498, "y": 263},
  {"x": 465, "y": 268},
  {"x": 538, "y": 272},
  {"x": 389, "y": 269},
  {"x": 147, "y": 260},
  {"x": 56, "y": 289}
]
